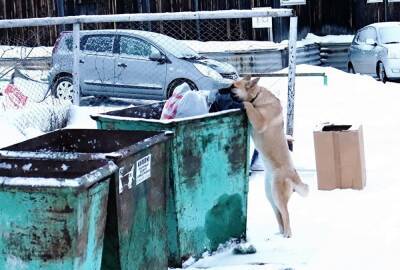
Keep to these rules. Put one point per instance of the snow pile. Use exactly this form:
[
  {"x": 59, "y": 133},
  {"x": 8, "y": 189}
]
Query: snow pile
[
  {"x": 29, "y": 110},
  {"x": 9, "y": 133},
  {"x": 35, "y": 90},
  {"x": 328, "y": 39},
  {"x": 79, "y": 117},
  {"x": 33, "y": 120},
  {"x": 46, "y": 116}
]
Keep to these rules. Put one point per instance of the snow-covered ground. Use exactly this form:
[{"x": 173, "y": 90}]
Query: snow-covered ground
[
  {"x": 334, "y": 230},
  {"x": 341, "y": 229}
]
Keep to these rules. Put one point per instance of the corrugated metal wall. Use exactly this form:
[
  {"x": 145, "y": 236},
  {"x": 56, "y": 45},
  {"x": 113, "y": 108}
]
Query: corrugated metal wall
[
  {"x": 267, "y": 61},
  {"x": 334, "y": 55}
]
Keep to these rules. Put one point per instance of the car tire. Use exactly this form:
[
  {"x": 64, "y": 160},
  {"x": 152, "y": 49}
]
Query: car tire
[
  {"x": 175, "y": 83},
  {"x": 350, "y": 69},
  {"x": 63, "y": 88},
  {"x": 382, "y": 73}
]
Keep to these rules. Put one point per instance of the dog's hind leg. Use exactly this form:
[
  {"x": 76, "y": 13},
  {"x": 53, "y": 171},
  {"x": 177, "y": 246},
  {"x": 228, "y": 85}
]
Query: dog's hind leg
[
  {"x": 268, "y": 193},
  {"x": 281, "y": 190}
]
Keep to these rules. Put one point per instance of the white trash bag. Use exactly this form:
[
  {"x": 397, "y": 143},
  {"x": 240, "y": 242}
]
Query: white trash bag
[{"x": 184, "y": 103}]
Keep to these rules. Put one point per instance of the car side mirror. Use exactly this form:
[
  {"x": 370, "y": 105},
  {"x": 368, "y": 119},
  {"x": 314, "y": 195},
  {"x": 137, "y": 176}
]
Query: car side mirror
[
  {"x": 157, "y": 56},
  {"x": 370, "y": 42}
]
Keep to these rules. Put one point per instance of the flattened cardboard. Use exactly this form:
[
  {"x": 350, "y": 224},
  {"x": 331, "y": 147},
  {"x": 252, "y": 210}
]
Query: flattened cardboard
[{"x": 340, "y": 158}]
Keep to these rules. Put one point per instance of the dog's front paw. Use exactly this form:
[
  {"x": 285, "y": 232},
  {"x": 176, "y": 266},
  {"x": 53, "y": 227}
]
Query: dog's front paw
[{"x": 247, "y": 105}]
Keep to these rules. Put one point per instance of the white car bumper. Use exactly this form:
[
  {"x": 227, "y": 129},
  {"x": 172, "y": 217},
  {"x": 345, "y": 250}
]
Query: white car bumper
[{"x": 392, "y": 68}]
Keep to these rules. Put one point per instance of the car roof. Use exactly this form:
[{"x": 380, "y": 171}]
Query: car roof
[
  {"x": 145, "y": 34},
  {"x": 383, "y": 24}
]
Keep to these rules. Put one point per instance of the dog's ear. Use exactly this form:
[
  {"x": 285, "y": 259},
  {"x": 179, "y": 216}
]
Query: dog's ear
[
  {"x": 252, "y": 83},
  {"x": 247, "y": 78}
]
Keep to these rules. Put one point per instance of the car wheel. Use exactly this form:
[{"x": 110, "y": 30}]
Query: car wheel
[
  {"x": 63, "y": 88},
  {"x": 177, "y": 82},
  {"x": 351, "y": 69},
  {"x": 382, "y": 72}
]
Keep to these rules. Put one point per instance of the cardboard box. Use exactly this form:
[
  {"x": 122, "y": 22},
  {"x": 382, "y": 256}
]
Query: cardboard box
[{"x": 339, "y": 154}]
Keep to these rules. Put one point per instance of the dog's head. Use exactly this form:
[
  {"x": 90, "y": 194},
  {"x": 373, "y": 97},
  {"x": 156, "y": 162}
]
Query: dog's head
[{"x": 246, "y": 89}]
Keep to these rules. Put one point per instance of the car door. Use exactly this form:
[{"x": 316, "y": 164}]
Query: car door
[
  {"x": 357, "y": 52},
  {"x": 371, "y": 51},
  {"x": 97, "y": 64},
  {"x": 136, "y": 75}
]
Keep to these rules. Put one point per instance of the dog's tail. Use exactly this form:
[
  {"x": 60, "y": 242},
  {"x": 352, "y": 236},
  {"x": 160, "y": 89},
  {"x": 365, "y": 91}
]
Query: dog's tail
[{"x": 299, "y": 186}]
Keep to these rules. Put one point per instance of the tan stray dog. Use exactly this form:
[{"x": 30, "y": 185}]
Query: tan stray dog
[{"x": 264, "y": 111}]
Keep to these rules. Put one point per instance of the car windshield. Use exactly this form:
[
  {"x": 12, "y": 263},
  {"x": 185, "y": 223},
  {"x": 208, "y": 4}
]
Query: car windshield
[
  {"x": 390, "y": 35},
  {"x": 176, "y": 47}
]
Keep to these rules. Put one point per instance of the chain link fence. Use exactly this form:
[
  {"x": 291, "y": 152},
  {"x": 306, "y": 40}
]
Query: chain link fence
[
  {"x": 123, "y": 61},
  {"x": 25, "y": 101}
]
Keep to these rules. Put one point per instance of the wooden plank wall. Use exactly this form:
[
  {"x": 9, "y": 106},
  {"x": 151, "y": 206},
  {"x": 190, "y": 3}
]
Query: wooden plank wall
[
  {"x": 31, "y": 36},
  {"x": 318, "y": 16},
  {"x": 324, "y": 17}
]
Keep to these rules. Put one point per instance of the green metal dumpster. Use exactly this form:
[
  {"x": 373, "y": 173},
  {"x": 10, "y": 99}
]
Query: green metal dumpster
[
  {"x": 207, "y": 201},
  {"x": 136, "y": 235},
  {"x": 53, "y": 213}
]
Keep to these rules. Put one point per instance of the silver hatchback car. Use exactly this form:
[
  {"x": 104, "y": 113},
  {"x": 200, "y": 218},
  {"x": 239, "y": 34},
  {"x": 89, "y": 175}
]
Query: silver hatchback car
[
  {"x": 133, "y": 64},
  {"x": 375, "y": 50}
]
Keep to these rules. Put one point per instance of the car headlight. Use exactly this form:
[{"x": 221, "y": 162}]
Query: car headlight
[
  {"x": 208, "y": 72},
  {"x": 393, "y": 54}
]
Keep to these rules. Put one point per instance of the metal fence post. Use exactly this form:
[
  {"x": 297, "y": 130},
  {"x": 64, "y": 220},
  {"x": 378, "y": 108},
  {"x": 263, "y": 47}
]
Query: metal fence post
[
  {"x": 75, "y": 69},
  {"x": 60, "y": 11},
  {"x": 291, "y": 75},
  {"x": 196, "y": 8}
]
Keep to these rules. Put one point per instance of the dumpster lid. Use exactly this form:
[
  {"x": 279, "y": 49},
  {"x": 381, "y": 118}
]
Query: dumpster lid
[
  {"x": 73, "y": 144},
  {"x": 53, "y": 173}
]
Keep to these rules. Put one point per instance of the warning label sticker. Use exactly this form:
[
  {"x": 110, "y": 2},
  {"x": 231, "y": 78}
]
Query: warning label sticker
[{"x": 143, "y": 169}]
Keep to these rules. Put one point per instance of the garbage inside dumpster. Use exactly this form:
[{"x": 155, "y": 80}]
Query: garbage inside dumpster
[
  {"x": 184, "y": 103},
  {"x": 225, "y": 100}
]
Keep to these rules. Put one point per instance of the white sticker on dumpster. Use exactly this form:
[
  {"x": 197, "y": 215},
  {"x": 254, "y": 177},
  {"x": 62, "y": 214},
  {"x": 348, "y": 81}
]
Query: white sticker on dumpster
[{"x": 143, "y": 169}]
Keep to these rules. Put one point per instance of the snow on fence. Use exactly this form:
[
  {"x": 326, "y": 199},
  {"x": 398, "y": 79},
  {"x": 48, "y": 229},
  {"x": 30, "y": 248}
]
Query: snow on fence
[{"x": 102, "y": 62}]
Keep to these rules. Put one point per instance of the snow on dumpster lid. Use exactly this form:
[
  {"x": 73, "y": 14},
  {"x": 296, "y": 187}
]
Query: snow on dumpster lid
[{"x": 25, "y": 174}]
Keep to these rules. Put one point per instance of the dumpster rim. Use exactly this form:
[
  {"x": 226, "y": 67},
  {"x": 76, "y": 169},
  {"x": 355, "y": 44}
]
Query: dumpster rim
[
  {"x": 46, "y": 155},
  {"x": 102, "y": 116},
  {"x": 84, "y": 181}
]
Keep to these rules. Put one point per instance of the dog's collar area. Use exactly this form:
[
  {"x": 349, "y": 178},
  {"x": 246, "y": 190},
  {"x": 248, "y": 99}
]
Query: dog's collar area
[{"x": 254, "y": 98}]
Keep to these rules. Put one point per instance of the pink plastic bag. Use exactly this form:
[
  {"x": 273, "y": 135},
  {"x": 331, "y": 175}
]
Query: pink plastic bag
[
  {"x": 171, "y": 105},
  {"x": 14, "y": 98}
]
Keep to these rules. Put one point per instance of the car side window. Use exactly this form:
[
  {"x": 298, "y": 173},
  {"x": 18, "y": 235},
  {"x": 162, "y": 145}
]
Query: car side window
[
  {"x": 370, "y": 33},
  {"x": 134, "y": 47},
  {"x": 362, "y": 37},
  {"x": 356, "y": 38},
  {"x": 99, "y": 44}
]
